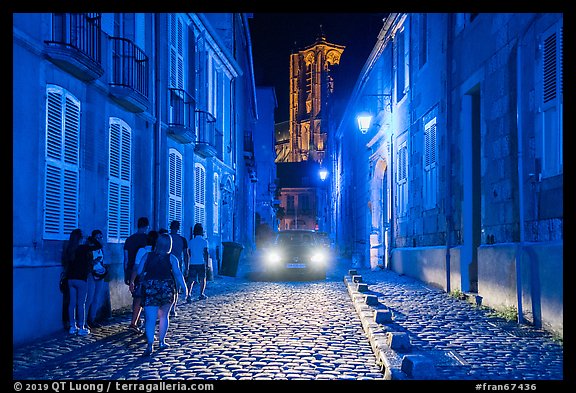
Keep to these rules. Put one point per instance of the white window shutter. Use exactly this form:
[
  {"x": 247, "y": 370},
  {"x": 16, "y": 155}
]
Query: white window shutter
[
  {"x": 62, "y": 163},
  {"x": 175, "y": 186},
  {"x": 200, "y": 194},
  {"x": 176, "y": 52},
  {"x": 119, "y": 180}
]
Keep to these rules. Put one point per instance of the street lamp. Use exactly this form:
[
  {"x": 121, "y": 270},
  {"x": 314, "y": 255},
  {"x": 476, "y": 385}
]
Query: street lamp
[
  {"x": 364, "y": 119},
  {"x": 323, "y": 173}
]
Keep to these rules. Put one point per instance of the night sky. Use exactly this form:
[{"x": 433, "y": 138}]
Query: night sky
[{"x": 276, "y": 35}]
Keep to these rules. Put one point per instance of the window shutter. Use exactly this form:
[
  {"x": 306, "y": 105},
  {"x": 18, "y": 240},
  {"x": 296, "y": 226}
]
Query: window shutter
[
  {"x": 550, "y": 68},
  {"x": 216, "y": 191},
  {"x": 62, "y": 163},
  {"x": 176, "y": 52},
  {"x": 200, "y": 194},
  {"x": 552, "y": 101},
  {"x": 119, "y": 180},
  {"x": 175, "y": 186},
  {"x": 430, "y": 174}
]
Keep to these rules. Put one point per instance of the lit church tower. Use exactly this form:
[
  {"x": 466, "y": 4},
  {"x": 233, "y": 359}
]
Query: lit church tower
[{"x": 310, "y": 86}]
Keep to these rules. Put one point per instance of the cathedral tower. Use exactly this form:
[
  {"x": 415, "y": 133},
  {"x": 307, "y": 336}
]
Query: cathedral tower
[{"x": 311, "y": 84}]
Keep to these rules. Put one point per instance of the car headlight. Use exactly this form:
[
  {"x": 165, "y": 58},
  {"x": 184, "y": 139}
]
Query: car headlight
[
  {"x": 318, "y": 257},
  {"x": 273, "y": 257}
]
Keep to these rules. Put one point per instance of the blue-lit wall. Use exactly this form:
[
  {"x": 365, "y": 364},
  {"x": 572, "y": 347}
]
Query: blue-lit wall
[
  {"x": 37, "y": 259},
  {"x": 482, "y": 82}
]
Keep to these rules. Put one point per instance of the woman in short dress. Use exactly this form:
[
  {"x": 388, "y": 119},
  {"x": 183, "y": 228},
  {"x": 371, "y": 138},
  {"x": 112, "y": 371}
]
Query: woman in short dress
[{"x": 161, "y": 275}]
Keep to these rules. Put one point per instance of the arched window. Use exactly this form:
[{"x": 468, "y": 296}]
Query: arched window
[
  {"x": 174, "y": 186},
  {"x": 62, "y": 163},
  {"x": 200, "y": 194},
  {"x": 119, "y": 180}
]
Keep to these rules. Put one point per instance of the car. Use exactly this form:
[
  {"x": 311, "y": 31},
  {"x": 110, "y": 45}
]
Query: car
[{"x": 296, "y": 252}]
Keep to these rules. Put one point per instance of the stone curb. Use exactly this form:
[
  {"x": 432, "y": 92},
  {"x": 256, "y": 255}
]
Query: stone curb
[{"x": 390, "y": 344}]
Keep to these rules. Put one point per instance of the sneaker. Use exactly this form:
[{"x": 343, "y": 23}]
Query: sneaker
[
  {"x": 73, "y": 330},
  {"x": 188, "y": 299},
  {"x": 202, "y": 297},
  {"x": 164, "y": 345},
  {"x": 173, "y": 313},
  {"x": 135, "y": 329},
  {"x": 83, "y": 332}
]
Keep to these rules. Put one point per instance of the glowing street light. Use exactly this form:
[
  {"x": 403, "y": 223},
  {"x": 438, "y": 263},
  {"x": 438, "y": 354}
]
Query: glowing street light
[
  {"x": 364, "y": 119},
  {"x": 323, "y": 173}
]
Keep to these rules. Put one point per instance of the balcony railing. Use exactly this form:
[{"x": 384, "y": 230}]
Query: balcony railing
[
  {"x": 129, "y": 65},
  {"x": 206, "y": 140},
  {"x": 76, "y": 44},
  {"x": 181, "y": 116}
]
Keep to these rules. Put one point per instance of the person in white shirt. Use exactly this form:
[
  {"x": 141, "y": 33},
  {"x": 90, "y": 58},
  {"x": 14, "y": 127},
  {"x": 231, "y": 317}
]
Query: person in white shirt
[{"x": 198, "y": 247}]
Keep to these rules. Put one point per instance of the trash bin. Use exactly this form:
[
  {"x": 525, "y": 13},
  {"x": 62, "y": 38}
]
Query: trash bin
[{"x": 230, "y": 258}]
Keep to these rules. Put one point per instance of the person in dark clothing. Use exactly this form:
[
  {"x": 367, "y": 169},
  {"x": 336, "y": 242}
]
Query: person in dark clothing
[
  {"x": 160, "y": 275},
  {"x": 131, "y": 246},
  {"x": 79, "y": 267},
  {"x": 96, "y": 278}
]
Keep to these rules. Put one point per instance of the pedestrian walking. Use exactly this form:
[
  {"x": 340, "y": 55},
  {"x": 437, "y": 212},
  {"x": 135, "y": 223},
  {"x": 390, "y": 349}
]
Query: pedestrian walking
[
  {"x": 136, "y": 287},
  {"x": 160, "y": 275},
  {"x": 133, "y": 243},
  {"x": 198, "y": 261},
  {"x": 180, "y": 251},
  {"x": 79, "y": 268}
]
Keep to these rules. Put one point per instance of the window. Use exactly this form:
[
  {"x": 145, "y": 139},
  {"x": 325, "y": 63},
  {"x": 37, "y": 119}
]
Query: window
[
  {"x": 216, "y": 190},
  {"x": 176, "y": 52},
  {"x": 552, "y": 101},
  {"x": 430, "y": 172},
  {"x": 200, "y": 194},
  {"x": 402, "y": 62},
  {"x": 174, "y": 186},
  {"x": 119, "y": 180},
  {"x": 423, "y": 50},
  {"x": 402, "y": 179},
  {"x": 62, "y": 163}
]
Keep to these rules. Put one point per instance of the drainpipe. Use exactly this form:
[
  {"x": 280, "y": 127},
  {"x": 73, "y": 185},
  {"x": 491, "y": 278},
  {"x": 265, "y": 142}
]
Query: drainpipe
[
  {"x": 521, "y": 218},
  {"x": 520, "y": 246},
  {"x": 448, "y": 213},
  {"x": 157, "y": 124}
]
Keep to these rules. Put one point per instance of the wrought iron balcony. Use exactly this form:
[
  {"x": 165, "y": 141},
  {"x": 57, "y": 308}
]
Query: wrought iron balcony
[
  {"x": 130, "y": 74},
  {"x": 206, "y": 140},
  {"x": 76, "y": 44},
  {"x": 181, "y": 116}
]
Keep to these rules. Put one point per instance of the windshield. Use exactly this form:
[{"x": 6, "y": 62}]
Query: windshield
[{"x": 296, "y": 238}]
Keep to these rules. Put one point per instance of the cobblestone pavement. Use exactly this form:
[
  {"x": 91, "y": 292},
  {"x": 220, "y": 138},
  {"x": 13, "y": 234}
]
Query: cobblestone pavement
[
  {"x": 459, "y": 339},
  {"x": 317, "y": 330},
  {"x": 244, "y": 330}
]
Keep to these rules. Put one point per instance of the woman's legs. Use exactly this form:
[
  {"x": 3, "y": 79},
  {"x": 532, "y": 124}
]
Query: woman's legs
[
  {"x": 72, "y": 291},
  {"x": 164, "y": 317},
  {"x": 82, "y": 286},
  {"x": 150, "y": 315},
  {"x": 90, "y": 295}
]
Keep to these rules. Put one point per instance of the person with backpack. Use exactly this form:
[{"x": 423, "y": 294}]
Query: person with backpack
[
  {"x": 180, "y": 251},
  {"x": 132, "y": 244}
]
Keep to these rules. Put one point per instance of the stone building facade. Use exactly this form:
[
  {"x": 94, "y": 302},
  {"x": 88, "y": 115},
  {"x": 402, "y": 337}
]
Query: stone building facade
[
  {"x": 118, "y": 116},
  {"x": 458, "y": 179}
]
